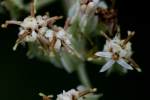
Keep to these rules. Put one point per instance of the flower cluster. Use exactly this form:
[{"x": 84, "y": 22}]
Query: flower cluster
[
  {"x": 40, "y": 29},
  {"x": 46, "y": 38},
  {"x": 79, "y": 94}
]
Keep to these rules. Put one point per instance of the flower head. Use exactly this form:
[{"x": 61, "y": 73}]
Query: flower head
[
  {"x": 117, "y": 51},
  {"x": 29, "y": 23},
  {"x": 70, "y": 95},
  {"x": 40, "y": 29},
  {"x": 74, "y": 94},
  {"x": 58, "y": 39}
]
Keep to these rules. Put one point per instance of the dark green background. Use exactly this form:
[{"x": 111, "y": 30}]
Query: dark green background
[{"x": 23, "y": 79}]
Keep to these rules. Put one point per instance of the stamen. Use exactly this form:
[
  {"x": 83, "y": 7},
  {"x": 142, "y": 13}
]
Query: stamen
[
  {"x": 83, "y": 93},
  {"x": 135, "y": 65},
  {"x": 130, "y": 35},
  {"x": 15, "y": 46},
  {"x": 105, "y": 35},
  {"x": 53, "y": 42},
  {"x": 67, "y": 23},
  {"x": 20, "y": 39},
  {"x": 46, "y": 97},
  {"x": 115, "y": 56},
  {"x": 43, "y": 41},
  {"x": 23, "y": 35},
  {"x": 56, "y": 17},
  {"x": 65, "y": 46},
  {"x": 52, "y": 20},
  {"x": 10, "y": 22}
]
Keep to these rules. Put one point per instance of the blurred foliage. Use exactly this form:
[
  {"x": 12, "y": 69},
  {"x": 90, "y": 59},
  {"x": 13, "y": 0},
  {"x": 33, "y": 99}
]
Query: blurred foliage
[{"x": 15, "y": 7}]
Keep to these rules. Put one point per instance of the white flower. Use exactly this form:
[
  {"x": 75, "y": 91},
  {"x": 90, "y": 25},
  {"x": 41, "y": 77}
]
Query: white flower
[
  {"x": 25, "y": 36},
  {"x": 62, "y": 39},
  {"x": 43, "y": 30},
  {"x": 76, "y": 94},
  {"x": 63, "y": 35},
  {"x": 49, "y": 34},
  {"x": 68, "y": 95},
  {"x": 40, "y": 20},
  {"x": 115, "y": 45},
  {"x": 58, "y": 38},
  {"x": 116, "y": 51},
  {"x": 58, "y": 45},
  {"x": 31, "y": 38},
  {"x": 29, "y": 23}
]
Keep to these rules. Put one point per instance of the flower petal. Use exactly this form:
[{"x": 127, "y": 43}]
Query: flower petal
[
  {"x": 61, "y": 34},
  {"x": 124, "y": 64},
  {"x": 15, "y": 46},
  {"x": 49, "y": 34},
  {"x": 34, "y": 35},
  {"x": 58, "y": 45},
  {"x": 104, "y": 54},
  {"x": 107, "y": 65}
]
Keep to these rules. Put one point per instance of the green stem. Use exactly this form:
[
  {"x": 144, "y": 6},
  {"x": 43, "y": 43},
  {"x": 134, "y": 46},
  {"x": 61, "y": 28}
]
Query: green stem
[{"x": 82, "y": 74}]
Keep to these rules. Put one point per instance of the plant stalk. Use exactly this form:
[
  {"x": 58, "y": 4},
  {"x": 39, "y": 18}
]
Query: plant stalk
[{"x": 83, "y": 77}]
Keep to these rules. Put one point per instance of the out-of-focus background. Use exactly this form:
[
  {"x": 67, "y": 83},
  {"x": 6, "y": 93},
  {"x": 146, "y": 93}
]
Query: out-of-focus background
[{"x": 22, "y": 78}]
